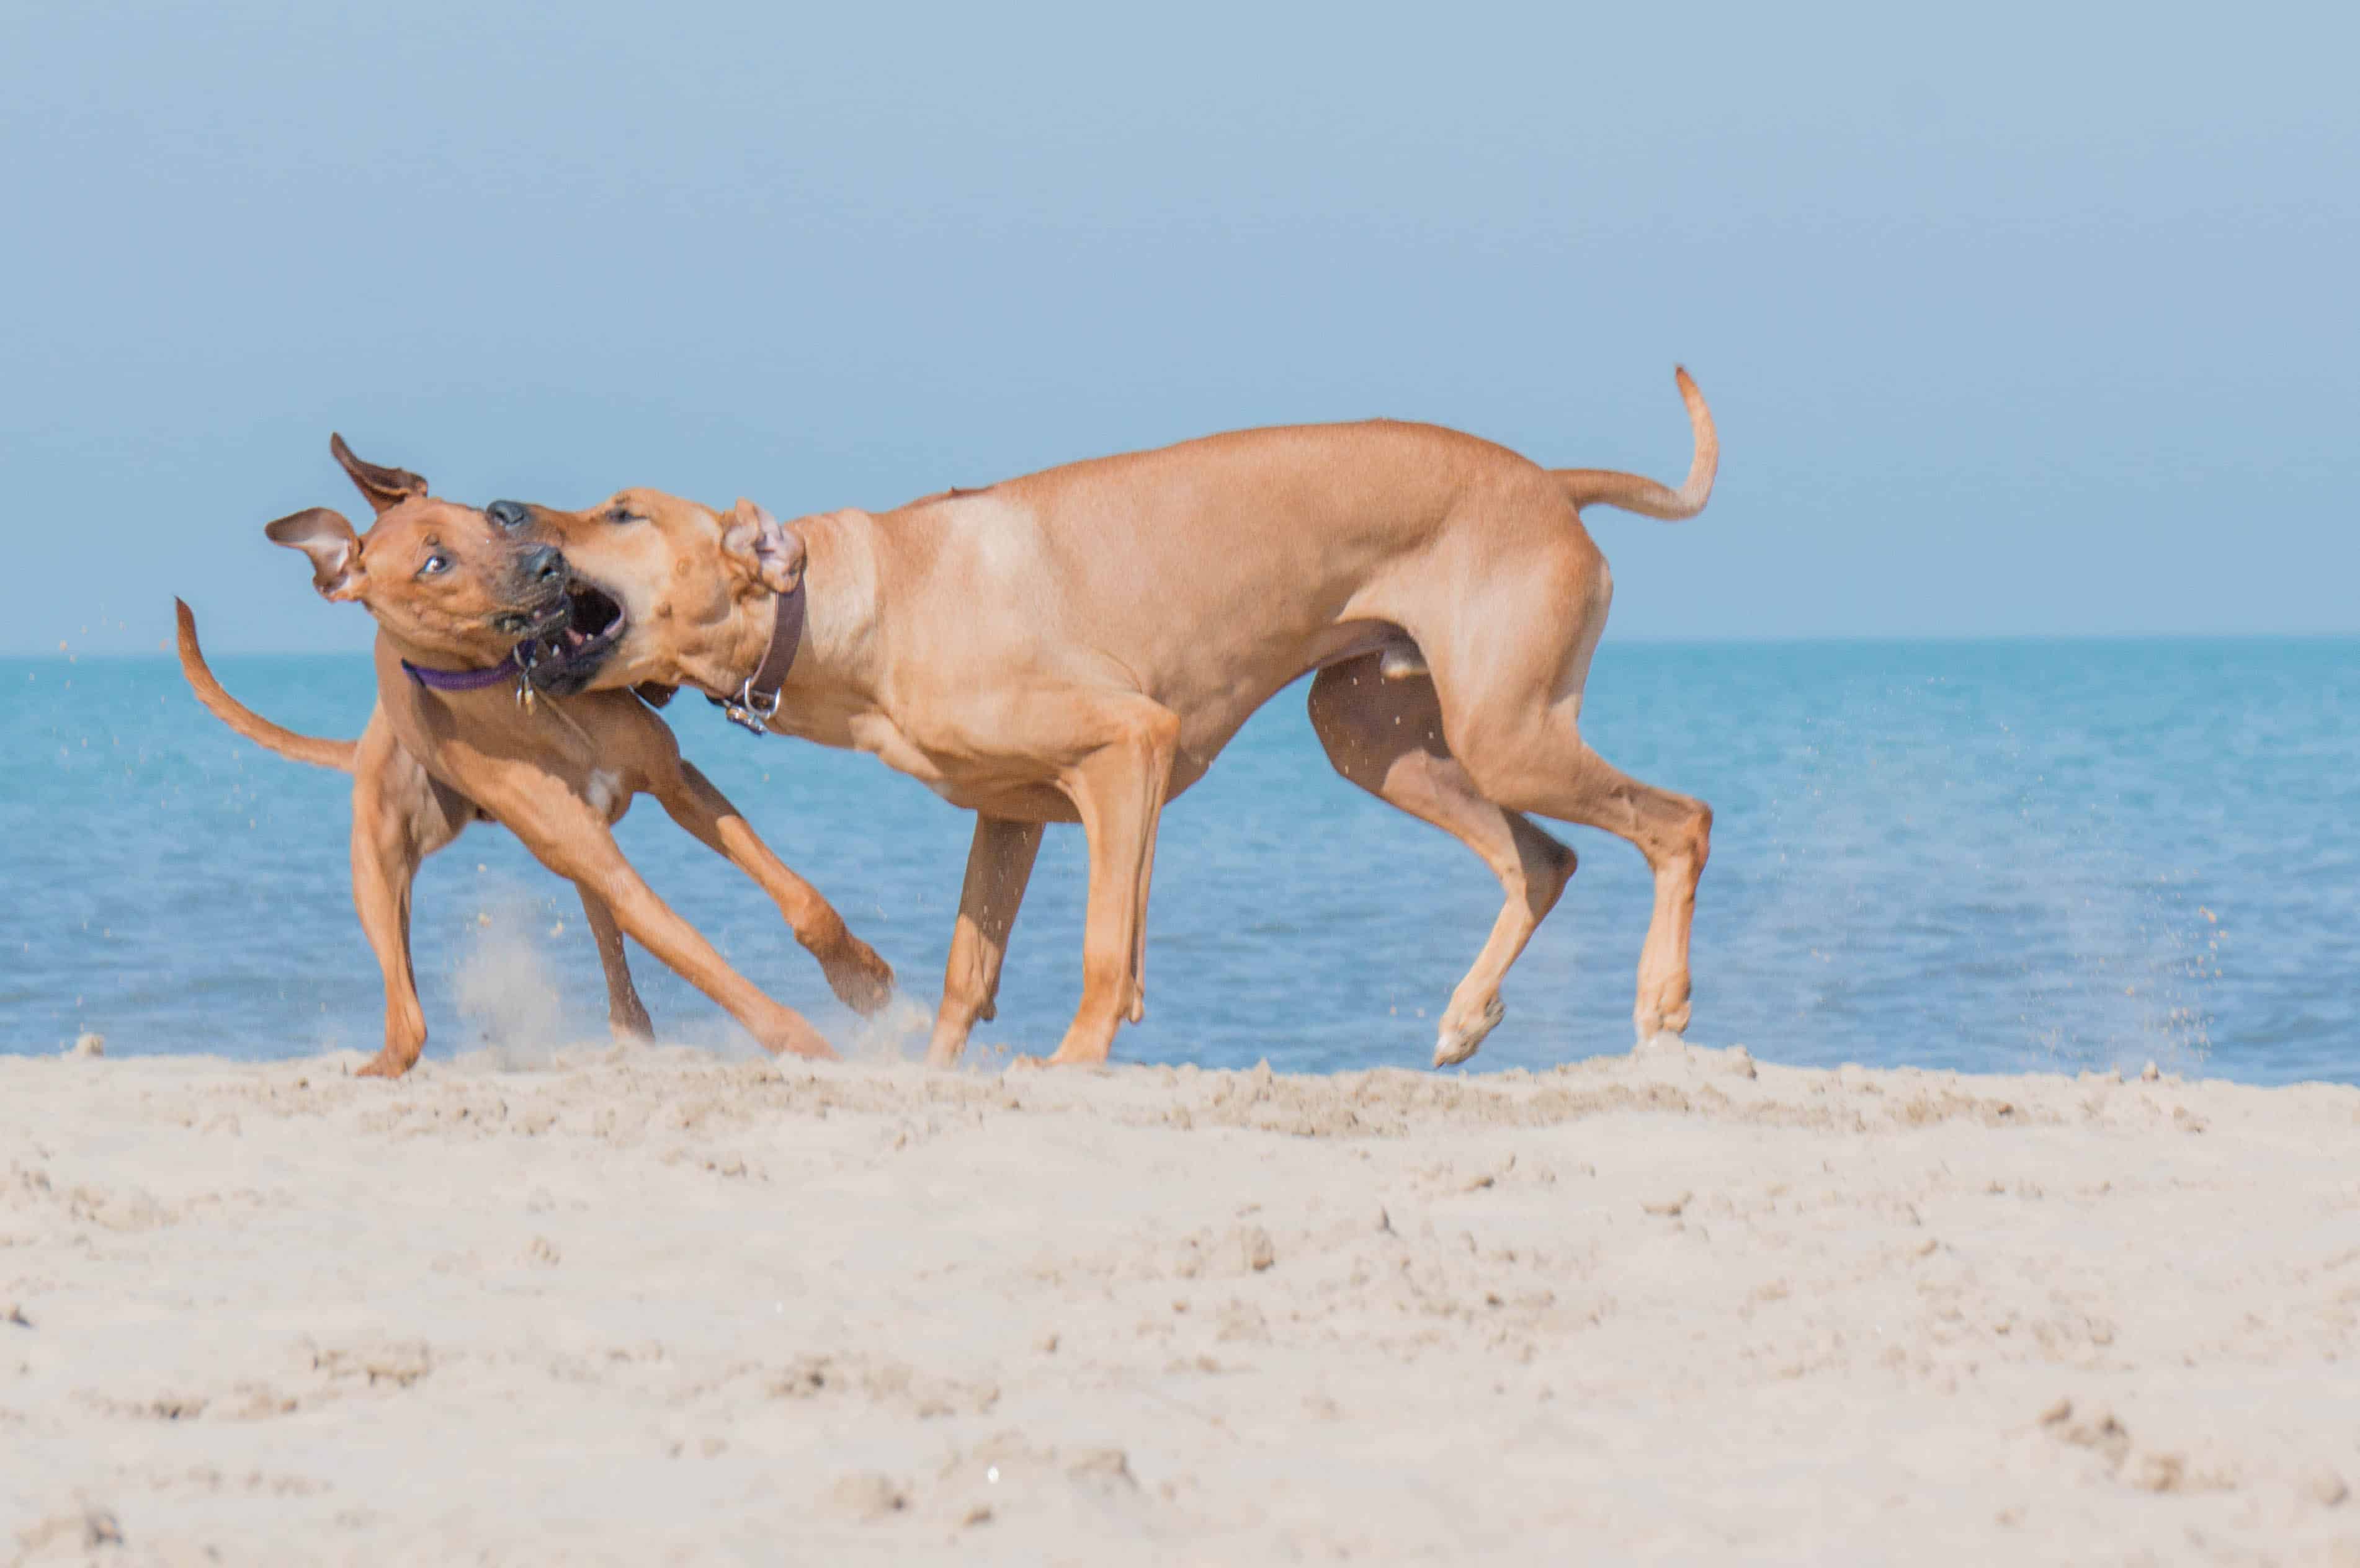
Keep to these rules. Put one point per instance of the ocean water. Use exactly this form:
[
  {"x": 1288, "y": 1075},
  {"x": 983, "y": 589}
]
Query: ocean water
[{"x": 1990, "y": 856}]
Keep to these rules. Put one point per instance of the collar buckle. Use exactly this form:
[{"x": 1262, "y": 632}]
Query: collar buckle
[
  {"x": 753, "y": 707},
  {"x": 749, "y": 709}
]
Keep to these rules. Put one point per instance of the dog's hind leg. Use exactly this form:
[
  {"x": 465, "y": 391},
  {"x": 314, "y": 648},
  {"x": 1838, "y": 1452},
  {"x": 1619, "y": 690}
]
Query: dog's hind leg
[
  {"x": 626, "y": 1014},
  {"x": 1547, "y": 768},
  {"x": 1384, "y": 734},
  {"x": 999, "y": 865},
  {"x": 1510, "y": 700},
  {"x": 1136, "y": 1011}
]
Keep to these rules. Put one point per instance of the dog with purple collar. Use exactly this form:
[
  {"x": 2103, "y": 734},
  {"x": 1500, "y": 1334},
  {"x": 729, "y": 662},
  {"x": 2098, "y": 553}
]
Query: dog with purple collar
[{"x": 465, "y": 610}]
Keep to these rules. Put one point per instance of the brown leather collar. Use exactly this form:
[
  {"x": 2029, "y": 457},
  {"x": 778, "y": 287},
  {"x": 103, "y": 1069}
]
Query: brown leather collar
[{"x": 758, "y": 698}]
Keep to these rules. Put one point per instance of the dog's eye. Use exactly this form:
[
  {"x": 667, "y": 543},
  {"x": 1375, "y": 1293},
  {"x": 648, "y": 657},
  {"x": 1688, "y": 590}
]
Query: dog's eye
[
  {"x": 435, "y": 565},
  {"x": 620, "y": 515}
]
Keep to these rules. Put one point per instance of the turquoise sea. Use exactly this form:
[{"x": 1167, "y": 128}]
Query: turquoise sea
[{"x": 1987, "y": 856}]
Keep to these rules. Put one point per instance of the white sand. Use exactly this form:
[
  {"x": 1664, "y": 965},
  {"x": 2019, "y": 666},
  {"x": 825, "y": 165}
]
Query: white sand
[{"x": 662, "y": 1307}]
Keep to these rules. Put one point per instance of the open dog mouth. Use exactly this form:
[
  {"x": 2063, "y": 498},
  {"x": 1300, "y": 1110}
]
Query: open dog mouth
[{"x": 581, "y": 632}]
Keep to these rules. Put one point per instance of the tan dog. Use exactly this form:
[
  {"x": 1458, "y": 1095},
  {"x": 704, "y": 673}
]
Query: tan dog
[
  {"x": 1079, "y": 644},
  {"x": 453, "y": 594}
]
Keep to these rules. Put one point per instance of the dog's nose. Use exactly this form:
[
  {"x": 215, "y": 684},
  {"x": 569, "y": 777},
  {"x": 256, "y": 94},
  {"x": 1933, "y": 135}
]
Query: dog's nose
[
  {"x": 542, "y": 563},
  {"x": 511, "y": 515}
]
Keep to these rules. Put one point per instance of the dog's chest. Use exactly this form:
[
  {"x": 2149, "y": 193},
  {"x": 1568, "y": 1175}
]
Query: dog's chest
[
  {"x": 886, "y": 741},
  {"x": 1017, "y": 787},
  {"x": 603, "y": 790}
]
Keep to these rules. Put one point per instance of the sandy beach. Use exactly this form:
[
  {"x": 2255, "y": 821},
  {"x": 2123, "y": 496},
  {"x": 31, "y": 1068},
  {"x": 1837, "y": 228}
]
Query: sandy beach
[{"x": 659, "y": 1305}]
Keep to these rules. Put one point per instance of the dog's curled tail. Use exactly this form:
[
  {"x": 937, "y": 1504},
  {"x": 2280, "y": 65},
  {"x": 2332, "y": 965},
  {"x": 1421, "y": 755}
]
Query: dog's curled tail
[
  {"x": 1637, "y": 492},
  {"x": 336, "y": 754}
]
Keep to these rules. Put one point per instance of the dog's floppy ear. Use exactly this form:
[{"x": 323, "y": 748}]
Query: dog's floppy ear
[
  {"x": 761, "y": 549},
  {"x": 385, "y": 487},
  {"x": 334, "y": 550}
]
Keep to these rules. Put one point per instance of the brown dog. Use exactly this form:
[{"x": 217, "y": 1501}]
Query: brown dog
[
  {"x": 453, "y": 595},
  {"x": 1079, "y": 644}
]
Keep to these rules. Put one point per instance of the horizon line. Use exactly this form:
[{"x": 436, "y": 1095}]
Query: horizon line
[{"x": 1799, "y": 639}]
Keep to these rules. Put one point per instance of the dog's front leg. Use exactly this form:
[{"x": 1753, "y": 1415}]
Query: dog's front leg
[
  {"x": 861, "y": 979},
  {"x": 386, "y": 853},
  {"x": 566, "y": 834},
  {"x": 626, "y": 1014},
  {"x": 399, "y": 817},
  {"x": 999, "y": 865},
  {"x": 1119, "y": 789}
]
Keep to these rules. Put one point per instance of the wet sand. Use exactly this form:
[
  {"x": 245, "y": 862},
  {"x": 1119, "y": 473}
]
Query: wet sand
[{"x": 655, "y": 1305}]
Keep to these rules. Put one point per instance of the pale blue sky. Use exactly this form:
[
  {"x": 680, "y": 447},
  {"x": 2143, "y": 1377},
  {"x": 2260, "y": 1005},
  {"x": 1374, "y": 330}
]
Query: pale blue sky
[{"x": 2016, "y": 320}]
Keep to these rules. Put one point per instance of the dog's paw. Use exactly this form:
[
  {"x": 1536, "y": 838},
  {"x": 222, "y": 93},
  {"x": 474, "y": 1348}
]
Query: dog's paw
[
  {"x": 860, "y": 979},
  {"x": 1059, "y": 1058},
  {"x": 1456, "y": 1042},
  {"x": 386, "y": 1064}
]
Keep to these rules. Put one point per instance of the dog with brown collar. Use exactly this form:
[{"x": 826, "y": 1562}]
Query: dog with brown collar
[{"x": 1077, "y": 645}]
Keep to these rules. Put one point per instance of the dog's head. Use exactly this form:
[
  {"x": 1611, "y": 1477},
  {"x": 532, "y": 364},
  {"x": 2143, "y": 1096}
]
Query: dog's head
[
  {"x": 671, "y": 581},
  {"x": 443, "y": 580}
]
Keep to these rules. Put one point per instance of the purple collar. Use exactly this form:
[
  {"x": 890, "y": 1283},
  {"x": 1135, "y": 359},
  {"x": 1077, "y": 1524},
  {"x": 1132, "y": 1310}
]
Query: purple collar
[{"x": 506, "y": 669}]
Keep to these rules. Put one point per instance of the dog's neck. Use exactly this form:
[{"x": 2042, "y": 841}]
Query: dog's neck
[
  {"x": 442, "y": 660},
  {"x": 831, "y": 679},
  {"x": 405, "y": 698}
]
